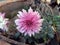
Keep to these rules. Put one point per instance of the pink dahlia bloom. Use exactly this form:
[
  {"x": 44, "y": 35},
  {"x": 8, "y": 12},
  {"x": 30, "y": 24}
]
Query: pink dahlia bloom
[
  {"x": 29, "y": 22},
  {"x": 3, "y": 22}
]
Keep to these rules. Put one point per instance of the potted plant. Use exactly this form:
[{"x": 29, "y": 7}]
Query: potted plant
[{"x": 40, "y": 32}]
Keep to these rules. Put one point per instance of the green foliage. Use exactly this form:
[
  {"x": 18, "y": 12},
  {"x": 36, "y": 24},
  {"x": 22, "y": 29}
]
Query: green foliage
[
  {"x": 47, "y": 31},
  {"x": 56, "y": 21},
  {"x": 51, "y": 22}
]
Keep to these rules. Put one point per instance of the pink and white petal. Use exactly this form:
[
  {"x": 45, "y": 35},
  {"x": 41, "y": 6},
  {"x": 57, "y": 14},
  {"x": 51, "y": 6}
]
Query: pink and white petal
[
  {"x": 25, "y": 33},
  {"x": 18, "y": 28},
  {"x": 39, "y": 29},
  {"x": 35, "y": 18},
  {"x": 30, "y": 10},
  {"x": 1, "y": 26},
  {"x": 24, "y": 11},
  {"x": 38, "y": 24},
  {"x": 5, "y": 28},
  {"x": 22, "y": 30},
  {"x": 20, "y": 13},
  {"x": 37, "y": 14},
  {"x": 36, "y": 31},
  {"x": 19, "y": 16},
  {"x": 17, "y": 21},
  {"x": 6, "y": 19},
  {"x": 40, "y": 21},
  {"x": 3, "y": 15},
  {"x": 29, "y": 33}
]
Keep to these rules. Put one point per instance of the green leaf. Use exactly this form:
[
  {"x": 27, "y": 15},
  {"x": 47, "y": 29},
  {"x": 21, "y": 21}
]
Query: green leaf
[
  {"x": 51, "y": 35},
  {"x": 17, "y": 35}
]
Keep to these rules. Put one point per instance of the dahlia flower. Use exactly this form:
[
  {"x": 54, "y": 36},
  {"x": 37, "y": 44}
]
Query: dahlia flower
[
  {"x": 3, "y": 22},
  {"x": 29, "y": 22}
]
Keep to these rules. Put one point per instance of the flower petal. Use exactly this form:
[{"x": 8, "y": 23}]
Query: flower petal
[
  {"x": 22, "y": 30},
  {"x": 2, "y": 14},
  {"x": 24, "y": 11},
  {"x": 20, "y": 14},
  {"x": 37, "y": 14},
  {"x": 17, "y": 21},
  {"x": 29, "y": 33},
  {"x": 30, "y": 10}
]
